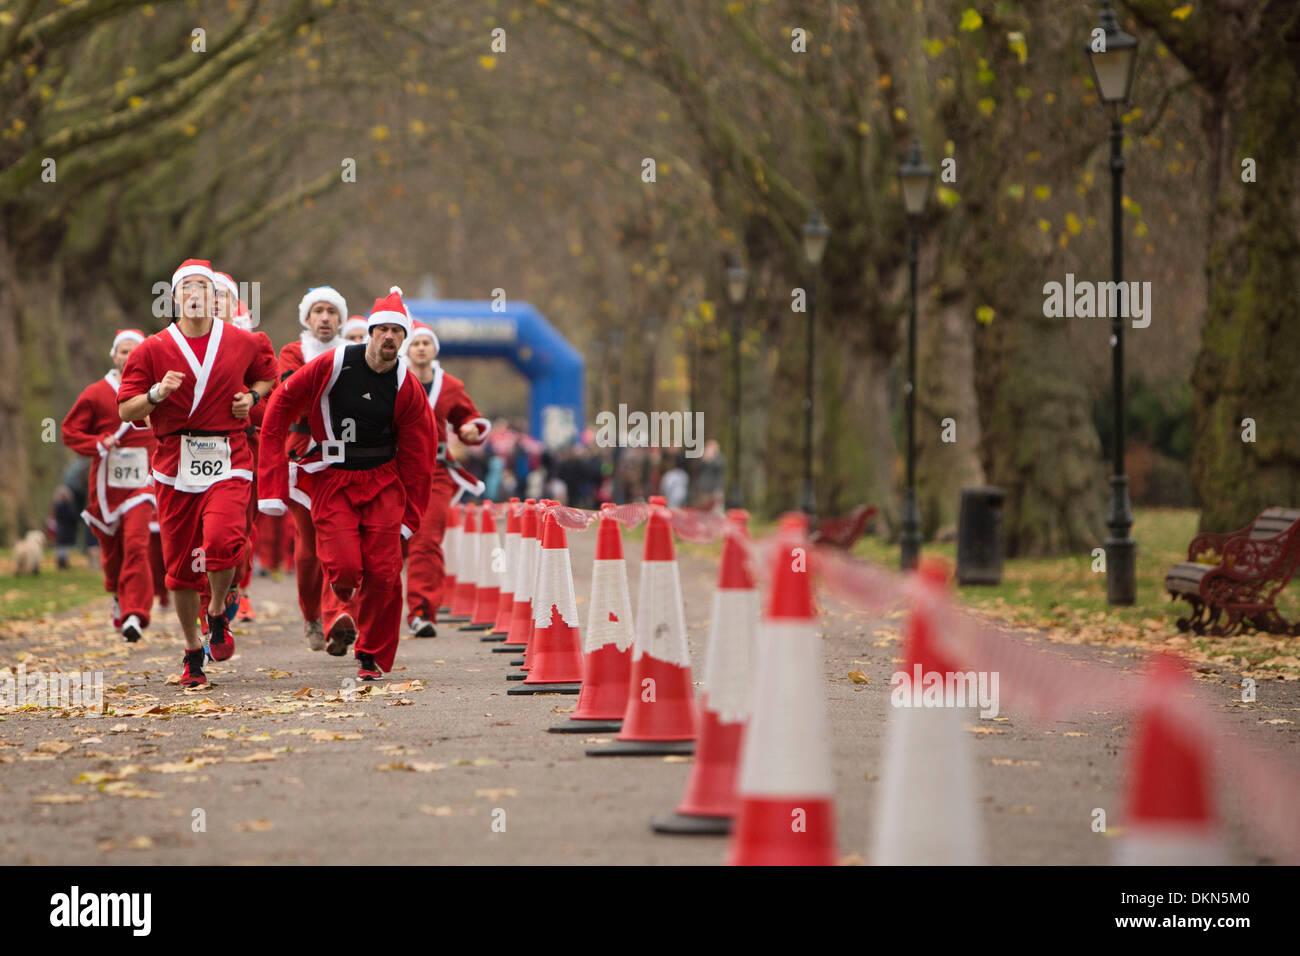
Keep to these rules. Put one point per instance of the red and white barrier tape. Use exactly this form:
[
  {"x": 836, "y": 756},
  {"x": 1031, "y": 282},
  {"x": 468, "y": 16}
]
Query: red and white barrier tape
[{"x": 1046, "y": 687}]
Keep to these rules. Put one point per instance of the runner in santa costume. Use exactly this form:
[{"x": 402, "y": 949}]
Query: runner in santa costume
[
  {"x": 120, "y": 502},
  {"x": 196, "y": 381},
  {"x": 355, "y": 330},
  {"x": 319, "y": 313},
  {"x": 231, "y": 309},
  {"x": 371, "y": 464},
  {"x": 452, "y": 409}
]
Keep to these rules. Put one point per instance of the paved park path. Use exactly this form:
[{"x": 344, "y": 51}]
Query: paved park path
[{"x": 282, "y": 768}]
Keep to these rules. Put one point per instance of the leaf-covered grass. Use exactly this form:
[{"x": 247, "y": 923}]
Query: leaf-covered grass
[{"x": 51, "y": 591}]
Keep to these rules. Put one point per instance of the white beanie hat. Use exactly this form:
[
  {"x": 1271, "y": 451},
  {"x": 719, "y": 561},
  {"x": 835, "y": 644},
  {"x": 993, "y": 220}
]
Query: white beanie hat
[
  {"x": 321, "y": 293},
  {"x": 390, "y": 310}
]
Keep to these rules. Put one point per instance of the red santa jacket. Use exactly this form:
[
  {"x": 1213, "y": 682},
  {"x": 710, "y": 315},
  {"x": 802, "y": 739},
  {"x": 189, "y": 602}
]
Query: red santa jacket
[
  {"x": 232, "y": 361},
  {"x": 119, "y": 480},
  {"x": 293, "y": 357},
  {"x": 307, "y": 391},
  {"x": 452, "y": 408}
]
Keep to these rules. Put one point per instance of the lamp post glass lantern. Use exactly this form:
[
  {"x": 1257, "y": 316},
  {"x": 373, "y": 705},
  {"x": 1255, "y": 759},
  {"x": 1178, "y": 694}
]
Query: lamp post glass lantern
[
  {"x": 1113, "y": 59},
  {"x": 914, "y": 181},
  {"x": 815, "y": 235},
  {"x": 737, "y": 283}
]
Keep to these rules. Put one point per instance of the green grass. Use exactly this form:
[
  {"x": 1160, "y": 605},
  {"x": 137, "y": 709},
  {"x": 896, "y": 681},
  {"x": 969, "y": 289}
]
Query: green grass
[{"x": 50, "y": 592}]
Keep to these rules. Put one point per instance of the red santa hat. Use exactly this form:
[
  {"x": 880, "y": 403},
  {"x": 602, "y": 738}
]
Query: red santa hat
[
  {"x": 125, "y": 335},
  {"x": 321, "y": 293},
  {"x": 193, "y": 267},
  {"x": 356, "y": 323},
  {"x": 224, "y": 281},
  {"x": 418, "y": 330},
  {"x": 390, "y": 311}
]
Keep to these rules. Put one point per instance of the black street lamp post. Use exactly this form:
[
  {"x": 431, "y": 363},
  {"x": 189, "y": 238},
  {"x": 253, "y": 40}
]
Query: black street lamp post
[
  {"x": 914, "y": 179},
  {"x": 737, "y": 282},
  {"x": 1112, "y": 73},
  {"x": 815, "y": 234}
]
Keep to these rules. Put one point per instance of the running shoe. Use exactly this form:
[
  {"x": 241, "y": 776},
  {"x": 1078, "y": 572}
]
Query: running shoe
[
  {"x": 220, "y": 644},
  {"x": 367, "y": 669},
  {"x": 232, "y": 604},
  {"x": 422, "y": 628},
  {"x": 246, "y": 612},
  {"x": 342, "y": 633},
  {"x": 315, "y": 635},
  {"x": 132, "y": 629},
  {"x": 193, "y": 675}
]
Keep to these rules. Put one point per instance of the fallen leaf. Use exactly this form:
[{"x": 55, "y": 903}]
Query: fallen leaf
[
  {"x": 53, "y": 747},
  {"x": 859, "y": 677},
  {"x": 65, "y": 798},
  {"x": 256, "y": 826}
]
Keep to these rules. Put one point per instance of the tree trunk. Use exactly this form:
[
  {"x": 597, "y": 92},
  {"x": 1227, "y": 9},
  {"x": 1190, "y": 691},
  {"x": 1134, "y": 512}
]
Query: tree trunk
[{"x": 1249, "y": 363}]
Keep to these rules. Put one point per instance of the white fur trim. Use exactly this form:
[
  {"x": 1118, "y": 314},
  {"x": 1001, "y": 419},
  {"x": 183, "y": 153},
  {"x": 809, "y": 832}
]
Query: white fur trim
[
  {"x": 313, "y": 347},
  {"x": 390, "y": 318},
  {"x": 271, "y": 506},
  {"x": 184, "y": 272}
]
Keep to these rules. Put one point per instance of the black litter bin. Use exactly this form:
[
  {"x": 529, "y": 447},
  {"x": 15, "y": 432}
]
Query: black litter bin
[{"x": 979, "y": 536}]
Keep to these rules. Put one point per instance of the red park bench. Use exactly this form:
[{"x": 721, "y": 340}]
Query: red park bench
[
  {"x": 843, "y": 532},
  {"x": 1232, "y": 580}
]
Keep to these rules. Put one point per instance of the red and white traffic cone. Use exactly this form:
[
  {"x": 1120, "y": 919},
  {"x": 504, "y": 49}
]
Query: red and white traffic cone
[
  {"x": 506, "y": 585},
  {"x": 787, "y": 812},
  {"x": 660, "y": 717},
  {"x": 467, "y": 562},
  {"x": 544, "y": 507},
  {"x": 521, "y": 611},
  {"x": 1171, "y": 818},
  {"x": 555, "y": 648},
  {"x": 487, "y": 580},
  {"x": 928, "y": 814},
  {"x": 607, "y": 646},
  {"x": 710, "y": 800},
  {"x": 451, "y": 563}
]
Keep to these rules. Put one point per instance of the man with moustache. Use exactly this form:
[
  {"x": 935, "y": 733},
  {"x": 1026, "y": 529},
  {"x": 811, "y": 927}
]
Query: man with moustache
[{"x": 371, "y": 464}]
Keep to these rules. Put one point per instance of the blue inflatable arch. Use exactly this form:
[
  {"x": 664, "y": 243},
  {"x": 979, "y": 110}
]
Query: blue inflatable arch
[{"x": 522, "y": 336}]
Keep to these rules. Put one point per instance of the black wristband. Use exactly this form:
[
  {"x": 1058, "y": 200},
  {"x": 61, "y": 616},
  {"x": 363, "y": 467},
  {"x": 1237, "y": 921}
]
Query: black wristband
[{"x": 256, "y": 395}]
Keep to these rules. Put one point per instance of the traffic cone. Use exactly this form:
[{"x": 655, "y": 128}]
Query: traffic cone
[
  {"x": 467, "y": 565},
  {"x": 660, "y": 716},
  {"x": 928, "y": 814},
  {"x": 543, "y": 512},
  {"x": 521, "y": 611},
  {"x": 1171, "y": 815},
  {"x": 555, "y": 649},
  {"x": 787, "y": 813},
  {"x": 607, "y": 658},
  {"x": 488, "y": 579},
  {"x": 451, "y": 561},
  {"x": 710, "y": 800},
  {"x": 505, "y": 598}
]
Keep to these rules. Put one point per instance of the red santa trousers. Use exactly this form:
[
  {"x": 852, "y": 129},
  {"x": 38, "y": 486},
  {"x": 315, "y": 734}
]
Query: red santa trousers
[
  {"x": 271, "y": 546},
  {"x": 214, "y": 520},
  {"x": 358, "y": 517},
  {"x": 315, "y": 598},
  {"x": 426, "y": 569},
  {"x": 306, "y": 563},
  {"x": 124, "y": 558},
  {"x": 158, "y": 566}
]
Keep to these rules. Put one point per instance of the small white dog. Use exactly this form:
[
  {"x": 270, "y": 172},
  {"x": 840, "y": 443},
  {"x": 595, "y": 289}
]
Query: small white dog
[{"x": 28, "y": 552}]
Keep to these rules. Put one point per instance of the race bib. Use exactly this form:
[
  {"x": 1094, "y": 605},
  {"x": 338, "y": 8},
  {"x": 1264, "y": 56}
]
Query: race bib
[
  {"x": 128, "y": 467},
  {"x": 205, "y": 460}
]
